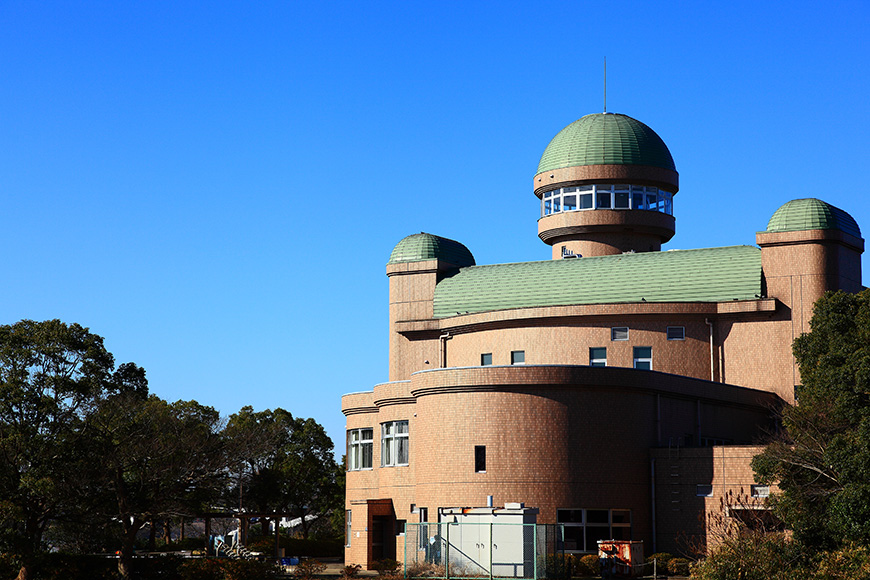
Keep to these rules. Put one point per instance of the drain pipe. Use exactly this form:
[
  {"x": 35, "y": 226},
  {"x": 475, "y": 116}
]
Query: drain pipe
[
  {"x": 712, "y": 357},
  {"x": 443, "y": 339},
  {"x": 652, "y": 479}
]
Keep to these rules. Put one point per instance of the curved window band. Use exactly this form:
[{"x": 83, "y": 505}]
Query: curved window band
[{"x": 586, "y": 197}]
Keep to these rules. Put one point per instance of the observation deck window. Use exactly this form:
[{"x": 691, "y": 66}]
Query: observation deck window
[{"x": 590, "y": 197}]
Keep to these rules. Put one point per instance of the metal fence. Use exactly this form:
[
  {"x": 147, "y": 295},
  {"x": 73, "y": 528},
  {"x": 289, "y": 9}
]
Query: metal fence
[{"x": 481, "y": 550}]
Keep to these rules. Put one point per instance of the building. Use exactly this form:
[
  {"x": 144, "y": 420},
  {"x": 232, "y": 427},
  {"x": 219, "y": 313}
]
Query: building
[{"x": 616, "y": 388}]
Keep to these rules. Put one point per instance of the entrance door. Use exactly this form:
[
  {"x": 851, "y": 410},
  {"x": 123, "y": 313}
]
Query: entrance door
[{"x": 383, "y": 538}]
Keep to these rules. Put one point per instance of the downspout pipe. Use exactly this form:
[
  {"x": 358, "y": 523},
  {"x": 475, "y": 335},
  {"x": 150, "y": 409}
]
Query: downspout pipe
[
  {"x": 712, "y": 354},
  {"x": 443, "y": 339}
]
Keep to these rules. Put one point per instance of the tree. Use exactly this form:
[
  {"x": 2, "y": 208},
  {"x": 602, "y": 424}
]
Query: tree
[
  {"x": 822, "y": 462},
  {"x": 51, "y": 374},
  {"x": 285, "y": 464},
  {"x": 154, "y": 460}
]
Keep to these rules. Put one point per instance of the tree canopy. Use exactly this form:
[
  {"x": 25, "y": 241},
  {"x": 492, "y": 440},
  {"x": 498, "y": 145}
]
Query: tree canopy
[
  {"x": 822, "y": 461},
  {"x": 87, "y": 456}
]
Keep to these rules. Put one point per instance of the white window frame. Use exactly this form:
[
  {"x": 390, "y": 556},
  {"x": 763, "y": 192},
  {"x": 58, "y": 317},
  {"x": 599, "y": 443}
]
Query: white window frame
[
  {"x": 593, "y": 361},
  {"x": 679, "y": 333},
  {"x": 348, "y": 529},
  {"x": 642, "y": 359},
  {"x": 393, "y": 433},
  {"x": 760, "y": 491},
  {"x": 356, "y": 449},
  {"x": 618, "y": 333}
]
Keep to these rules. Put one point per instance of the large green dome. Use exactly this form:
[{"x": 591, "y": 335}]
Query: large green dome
[
  {"x": 606, "y": 139},
  {"x": 423, "y": 246},
  {"x": 812, "y": 214}
]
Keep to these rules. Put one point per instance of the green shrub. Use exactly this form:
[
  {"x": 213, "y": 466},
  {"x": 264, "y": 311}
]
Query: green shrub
[
  {"x": 588, "y": 565},
  {"x": 560, "y": 565},
  {"x": 851, "y": 562},
  {"x": 753, "y": 556},
  {"x": 678, "y": 567},
  {"x": 662, "y": 558}
]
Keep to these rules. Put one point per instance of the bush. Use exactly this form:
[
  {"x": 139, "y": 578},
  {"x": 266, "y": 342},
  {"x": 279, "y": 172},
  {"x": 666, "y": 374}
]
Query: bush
[
  {"x": 426, "y": 570},
  {"x": 224, "y": 569},
  {"x": 560, "y": 565},
  {"x": 588, "y": 565},
  {"x": 351, "y": 571},
  {"x": 753, "y": 556},
  {"x": 851, "y": 562},
  {"x": 248, "y": 570},
  {"x": 678, "y": 567},
  {"x": 201, "y": 569},
  {"x": 307, "y": 569},
  {"x": 662, "y": 558},
  {"x": 387, "y": 566}
]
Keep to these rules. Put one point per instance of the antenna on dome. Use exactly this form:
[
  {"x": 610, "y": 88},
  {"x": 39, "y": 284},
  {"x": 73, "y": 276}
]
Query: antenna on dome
[{"x": 605, "y": 84}]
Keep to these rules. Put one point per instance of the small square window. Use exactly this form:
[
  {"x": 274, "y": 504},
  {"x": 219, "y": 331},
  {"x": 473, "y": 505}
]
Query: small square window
[
  {"x": 704, "y": 490},
  {"x": 619, "y": 333},
  {"x": 760, "y": 490},
  {"x": 400, "y": 527},
  {"x": 598, "y": 357},
  {"x": 643, "y": 358},
  {"x": 518, "y": 357},
  {"x": 676, "y": 333},
  {"x": 480, "y": 458},
  {"x": 486, "y": 359}
]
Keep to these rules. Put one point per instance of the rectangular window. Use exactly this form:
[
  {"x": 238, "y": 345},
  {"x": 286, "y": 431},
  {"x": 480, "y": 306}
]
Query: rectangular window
[
  {"x": 676, "y": 333},
  {"x": 602, "y": 200},
  {"x": 619, "y": 333},
  {"x": 486, "y": 359},
  {"x": 394, "y": 443},
  {"x": 569, "y": 203},
  {"x": 598, "y": 356},
  {"x": 347, "y": 532},
  {"x": 760, "y": 491},
  {"x": 359, "y": 449},
  {"x": 637, "y": 201},
  {"x": 582, "y": 528},
  {"x": 643, "y": 358},
  {"x": 620, "y": 200},
  {"x": 704, "y": 490},
  {"x": 423, "y": 531},
  {"x": 480, "y": 458},
  {"x": 400, "y": 527},
  {"x": 518, "y": 357},
  {"x": 585, "y": 201}
]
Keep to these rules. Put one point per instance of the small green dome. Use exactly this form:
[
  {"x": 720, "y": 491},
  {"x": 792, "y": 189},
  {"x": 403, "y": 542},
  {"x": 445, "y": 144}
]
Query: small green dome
[
  {"x": 606, "y": 139},
  {"x": 422, "y": 246},
  {"x": 812, "y": 214}
]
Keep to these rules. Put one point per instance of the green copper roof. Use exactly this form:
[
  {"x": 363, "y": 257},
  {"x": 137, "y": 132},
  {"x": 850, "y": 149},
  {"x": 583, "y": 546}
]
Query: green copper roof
[
  {"x": 706, "y": 275},
  {"x": 606, "y": 139},
  {"x": 812, "y": 214},
  {"x": 422, "y": 246}
]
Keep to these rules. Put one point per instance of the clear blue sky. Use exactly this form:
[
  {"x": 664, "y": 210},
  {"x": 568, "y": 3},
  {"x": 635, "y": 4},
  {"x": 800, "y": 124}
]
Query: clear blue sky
[{"x": 215, "y": 187}]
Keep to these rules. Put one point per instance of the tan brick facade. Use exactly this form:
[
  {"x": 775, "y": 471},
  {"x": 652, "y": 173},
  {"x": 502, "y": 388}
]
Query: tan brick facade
[{"x": 561, "y": 434}]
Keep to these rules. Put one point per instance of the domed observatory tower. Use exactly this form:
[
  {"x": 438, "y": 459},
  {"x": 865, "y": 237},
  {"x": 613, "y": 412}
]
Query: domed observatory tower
[{"x": 606, "y": 184}]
